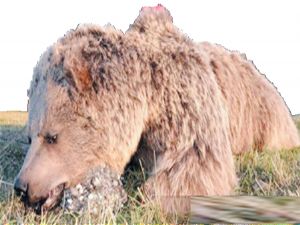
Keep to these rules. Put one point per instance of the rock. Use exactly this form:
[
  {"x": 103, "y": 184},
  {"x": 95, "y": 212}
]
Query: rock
[{"x": 100, "y": 192}]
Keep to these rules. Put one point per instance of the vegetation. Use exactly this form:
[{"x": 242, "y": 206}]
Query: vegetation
[{"x": 264, "y": 174}]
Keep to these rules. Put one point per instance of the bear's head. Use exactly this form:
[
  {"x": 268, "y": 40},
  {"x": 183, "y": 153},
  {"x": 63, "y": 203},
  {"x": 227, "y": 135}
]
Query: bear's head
[{"x": 84, "y": 111}]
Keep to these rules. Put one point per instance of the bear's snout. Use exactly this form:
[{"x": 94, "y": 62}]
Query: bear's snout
[{"x": 20, "y": 187}]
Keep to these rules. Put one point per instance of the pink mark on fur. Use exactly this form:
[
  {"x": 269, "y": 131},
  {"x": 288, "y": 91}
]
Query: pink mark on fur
[{"x": 159, "y": 7}]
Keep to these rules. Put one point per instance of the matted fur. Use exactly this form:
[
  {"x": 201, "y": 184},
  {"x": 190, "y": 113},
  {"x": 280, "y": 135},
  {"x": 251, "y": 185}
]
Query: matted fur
[{"x": 180, "y": 107}]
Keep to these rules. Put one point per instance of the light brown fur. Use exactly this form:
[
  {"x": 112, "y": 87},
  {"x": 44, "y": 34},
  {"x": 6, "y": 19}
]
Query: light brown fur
[
  {"x": 259, "y": 117},
  {"x": 180, "y": 107}
]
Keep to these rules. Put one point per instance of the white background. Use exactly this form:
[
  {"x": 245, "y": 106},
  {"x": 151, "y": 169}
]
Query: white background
[{"x": 267, "y": 31}]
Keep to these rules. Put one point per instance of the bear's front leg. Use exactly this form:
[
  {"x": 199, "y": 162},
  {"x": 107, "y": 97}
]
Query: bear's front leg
[{"x": 190, "y": 173}]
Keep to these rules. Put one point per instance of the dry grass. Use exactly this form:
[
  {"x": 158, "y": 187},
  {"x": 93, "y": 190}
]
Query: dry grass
[
  {"x": 264, "y": 174},
  {"x": 13, "y": 118}
]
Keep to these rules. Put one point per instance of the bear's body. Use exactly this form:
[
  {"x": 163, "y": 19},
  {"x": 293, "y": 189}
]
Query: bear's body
[
  {"x": 182, "y": 108},
  {"x": 258, "y": 116}
]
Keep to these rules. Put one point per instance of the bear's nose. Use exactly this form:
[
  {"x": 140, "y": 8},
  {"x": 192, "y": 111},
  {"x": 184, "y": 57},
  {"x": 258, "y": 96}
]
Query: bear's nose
[{"x": 20, "y": 187}]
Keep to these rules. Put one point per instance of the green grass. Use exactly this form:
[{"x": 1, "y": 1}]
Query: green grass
[
  {"x": 269, "y": 173},
  {"x": 264, "y": 174}
]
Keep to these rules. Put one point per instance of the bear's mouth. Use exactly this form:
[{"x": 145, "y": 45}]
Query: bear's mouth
[{"x": 53, "y": 198}]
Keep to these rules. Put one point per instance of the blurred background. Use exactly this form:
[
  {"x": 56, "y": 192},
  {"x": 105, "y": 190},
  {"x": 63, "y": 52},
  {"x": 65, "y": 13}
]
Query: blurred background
[{"x": 267, "y": 31}]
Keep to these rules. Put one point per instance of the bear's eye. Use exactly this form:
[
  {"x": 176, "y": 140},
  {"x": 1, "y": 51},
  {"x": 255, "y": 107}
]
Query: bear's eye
[
  {"x": 29, "y": 140},
  {"x": 51, "y": 139}
]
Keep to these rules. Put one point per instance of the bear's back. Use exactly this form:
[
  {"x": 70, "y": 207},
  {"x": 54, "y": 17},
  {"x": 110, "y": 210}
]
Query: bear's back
[{"x": 259, "y": 117}]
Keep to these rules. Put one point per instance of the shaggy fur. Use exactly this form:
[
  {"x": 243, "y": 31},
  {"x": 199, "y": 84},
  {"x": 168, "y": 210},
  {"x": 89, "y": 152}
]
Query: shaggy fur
[
  {"x": 259, "y": 117},
  {"x": 180, "y": 107}
]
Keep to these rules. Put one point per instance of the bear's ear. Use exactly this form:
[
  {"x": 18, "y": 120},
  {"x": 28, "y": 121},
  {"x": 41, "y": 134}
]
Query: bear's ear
[{"x": 77, "y": 72}]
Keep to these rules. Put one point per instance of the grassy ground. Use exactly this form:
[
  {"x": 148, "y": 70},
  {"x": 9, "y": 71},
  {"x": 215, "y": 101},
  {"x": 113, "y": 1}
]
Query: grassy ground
[{"x": 263, "y": 174}]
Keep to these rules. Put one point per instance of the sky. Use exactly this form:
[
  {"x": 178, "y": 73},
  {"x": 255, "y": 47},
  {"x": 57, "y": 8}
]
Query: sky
[{"x": 267, "y": 31}]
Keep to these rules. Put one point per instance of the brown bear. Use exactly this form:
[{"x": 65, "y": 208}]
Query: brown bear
[{"x": 100, "y": 96}]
